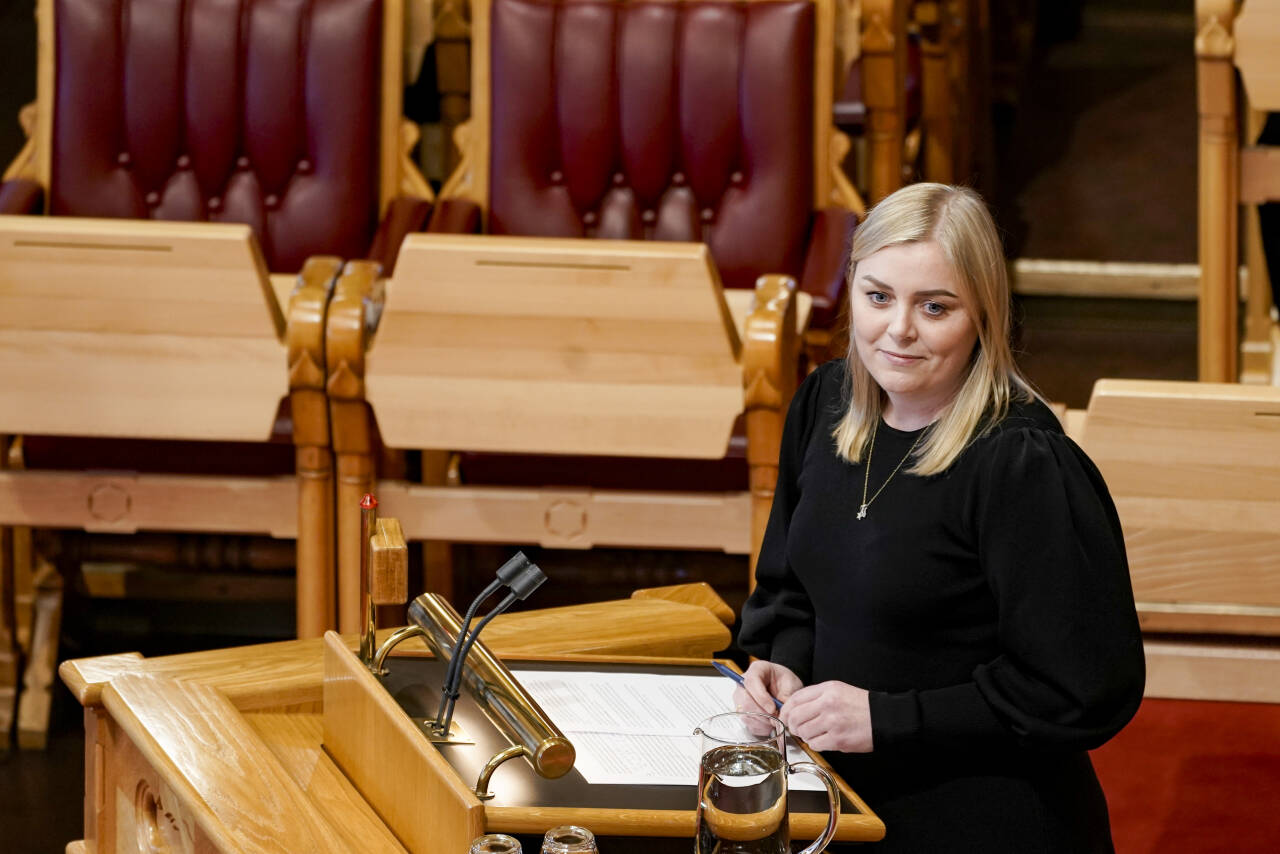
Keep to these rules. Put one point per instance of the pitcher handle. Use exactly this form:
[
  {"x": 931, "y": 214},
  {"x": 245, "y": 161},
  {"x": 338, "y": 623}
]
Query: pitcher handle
[{"x": 833, "y": 802}]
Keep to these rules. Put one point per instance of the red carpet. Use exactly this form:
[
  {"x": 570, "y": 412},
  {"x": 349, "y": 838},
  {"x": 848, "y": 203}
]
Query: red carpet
[{"x": 1195, "y": 777}]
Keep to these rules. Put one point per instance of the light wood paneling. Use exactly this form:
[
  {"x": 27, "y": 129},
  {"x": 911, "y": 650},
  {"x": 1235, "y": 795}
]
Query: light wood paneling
[
  {"x": 555, "y": 346},
  {"x": 1248, "y": 673},
  {"x": 571, "y": 518},
  {"x": 1195, "y": 472},
  {"x": 390, "y": 761},
  {"x": 187, "y": 345},
  {"x": 127, "y": 503},
  {"x": 295, "y": 739}
]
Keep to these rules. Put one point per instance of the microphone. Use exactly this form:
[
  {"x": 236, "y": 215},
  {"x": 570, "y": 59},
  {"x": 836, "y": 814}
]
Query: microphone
[
  {"x": 522, "y": 577},
  {"x": 507, "y": 573}
]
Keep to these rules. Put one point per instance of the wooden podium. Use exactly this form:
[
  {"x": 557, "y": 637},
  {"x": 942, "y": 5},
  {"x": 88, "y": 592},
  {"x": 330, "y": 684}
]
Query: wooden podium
[{"x": 225, "y": 750}]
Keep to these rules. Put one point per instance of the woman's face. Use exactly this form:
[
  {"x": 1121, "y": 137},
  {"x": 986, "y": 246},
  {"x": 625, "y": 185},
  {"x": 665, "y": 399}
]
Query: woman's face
[{"x": 911, "y": 330}]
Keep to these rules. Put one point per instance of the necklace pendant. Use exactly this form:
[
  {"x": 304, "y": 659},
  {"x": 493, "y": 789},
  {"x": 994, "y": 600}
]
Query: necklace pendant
[{"x": 862, "y": 512}]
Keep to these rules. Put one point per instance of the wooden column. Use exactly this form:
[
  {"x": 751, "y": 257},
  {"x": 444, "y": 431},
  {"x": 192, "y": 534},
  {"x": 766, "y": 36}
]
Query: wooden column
[
  {"x": 1219, "y": 177},
  {"x": 10, "y": 654},
  {"x": 769, "y": 380},
  {"x": 884, "y": 62},
  {"x": 314, "y": 466},
  {"x": 351, "y": 423}
]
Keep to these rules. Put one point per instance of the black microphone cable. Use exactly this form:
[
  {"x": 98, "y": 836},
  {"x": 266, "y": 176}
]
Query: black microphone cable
[{"x": 529, "y": 579}]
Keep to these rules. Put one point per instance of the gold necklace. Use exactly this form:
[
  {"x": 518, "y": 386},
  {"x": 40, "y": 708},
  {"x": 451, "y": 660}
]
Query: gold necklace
[{"x": 866, "y": 473}]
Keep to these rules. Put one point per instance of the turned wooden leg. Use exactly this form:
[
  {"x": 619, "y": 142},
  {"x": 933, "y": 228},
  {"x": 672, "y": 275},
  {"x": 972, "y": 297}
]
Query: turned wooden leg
[
  {"x": 36, "y": 699},
  {"x": 10, "y": 654},
  {"x": 315, "y": 562}
]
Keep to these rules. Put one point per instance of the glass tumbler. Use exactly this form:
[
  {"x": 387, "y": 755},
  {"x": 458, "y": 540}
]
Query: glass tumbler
[
  {"x": 569, "y": 839},
  {"x": 496, "y": 843}
]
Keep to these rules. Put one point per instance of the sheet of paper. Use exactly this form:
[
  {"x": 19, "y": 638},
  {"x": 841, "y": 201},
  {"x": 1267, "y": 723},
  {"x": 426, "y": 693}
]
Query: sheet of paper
[{"x": 636, "y": 728}]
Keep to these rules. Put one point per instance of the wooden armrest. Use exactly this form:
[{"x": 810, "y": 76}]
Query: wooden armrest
[{"x": 697, "y": 593}]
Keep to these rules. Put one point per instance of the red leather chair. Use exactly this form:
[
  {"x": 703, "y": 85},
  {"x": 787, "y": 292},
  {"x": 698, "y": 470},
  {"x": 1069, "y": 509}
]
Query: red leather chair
[
  {"x": 697, "y": 121},
  {"x": 279, "y": 115}
]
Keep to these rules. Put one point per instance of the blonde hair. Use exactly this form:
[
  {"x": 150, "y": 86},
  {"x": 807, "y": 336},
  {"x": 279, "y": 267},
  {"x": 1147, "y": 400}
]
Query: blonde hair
[{"x": 958, "y": 221}]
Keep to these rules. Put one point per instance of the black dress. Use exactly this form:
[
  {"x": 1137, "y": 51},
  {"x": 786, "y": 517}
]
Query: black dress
[{"x": 987, "y": 610}]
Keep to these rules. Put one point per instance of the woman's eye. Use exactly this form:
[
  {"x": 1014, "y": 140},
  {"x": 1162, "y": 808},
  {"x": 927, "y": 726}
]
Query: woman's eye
[
  {"x": 935, "y": 309},
  {"x": 877, "y": 297}
]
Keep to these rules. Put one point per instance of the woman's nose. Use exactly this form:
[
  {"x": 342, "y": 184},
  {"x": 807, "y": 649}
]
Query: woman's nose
[{"x": 900, "y": 326}]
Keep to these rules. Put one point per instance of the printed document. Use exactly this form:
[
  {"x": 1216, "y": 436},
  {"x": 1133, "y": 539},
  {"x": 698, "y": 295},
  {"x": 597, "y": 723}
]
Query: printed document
[{"x": 637, "y": 728}]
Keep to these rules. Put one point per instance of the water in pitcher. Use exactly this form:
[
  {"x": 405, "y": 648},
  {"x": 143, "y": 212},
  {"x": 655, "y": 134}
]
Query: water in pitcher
[{"x": 742, "y": 802}]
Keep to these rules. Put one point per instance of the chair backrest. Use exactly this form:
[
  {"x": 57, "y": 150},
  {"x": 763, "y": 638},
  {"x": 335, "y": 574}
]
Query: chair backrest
[
  {"x": 264, "y": 112},
  {"x": 696, "y": 121},
  {"x": 555, "y": 346},
  {"x": 1195, "y": 472}
]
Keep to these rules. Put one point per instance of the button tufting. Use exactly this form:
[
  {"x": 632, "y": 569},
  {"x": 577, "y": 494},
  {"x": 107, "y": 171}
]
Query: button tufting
[
  {"x": 708, "y": 214},
  {"x": 214, "y": 204},
  {"x": 677, "y": 179},
  {"x": 304, "y": 166},
  {"x": 557, "y": 176},
  {"x": 184, "y": 162},
  {"x": 242, "y": 162},
  {"x": 272, "y": 201},
  {"x": 649, "y": 217},
  {"x": 123, "y": 158},
  {"x": 152, "y": 198},
  {"x": 588, "y": 218},
  {"x": 736, "y": 178},
  {"x": 619, "y": 179}
]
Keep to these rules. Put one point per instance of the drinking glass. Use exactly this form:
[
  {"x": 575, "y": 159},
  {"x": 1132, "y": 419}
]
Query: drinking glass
[
  {"x": 742, "y": 787},
  {"x": 496, "y": 843},
  {"x": 569, "y": 839}
]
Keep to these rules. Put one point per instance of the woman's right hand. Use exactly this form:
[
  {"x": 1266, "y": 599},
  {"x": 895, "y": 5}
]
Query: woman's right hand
[{"x": 763, "y": 681}]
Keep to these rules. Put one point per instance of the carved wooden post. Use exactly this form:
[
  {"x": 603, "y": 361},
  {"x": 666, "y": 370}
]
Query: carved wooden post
[
  {"x": 769, "y": 354},
  {"x": 314, "y": 459},
  {"x": 353, "y": 442},
  {"x": 10, "y": 655},
  {"x": 884, "y": 62},
  {"x": 453, "y": 71},
  {"x": 1219, "y": 174}
]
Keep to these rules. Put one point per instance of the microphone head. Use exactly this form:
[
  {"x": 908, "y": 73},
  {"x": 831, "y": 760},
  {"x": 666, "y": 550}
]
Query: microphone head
[
  {"x": 529, "y": 580},
  {"x": 511, "y": 570}
]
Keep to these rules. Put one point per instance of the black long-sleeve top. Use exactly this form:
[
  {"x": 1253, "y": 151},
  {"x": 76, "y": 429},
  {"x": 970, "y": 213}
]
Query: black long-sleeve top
[{"x": 987, "y": 610}]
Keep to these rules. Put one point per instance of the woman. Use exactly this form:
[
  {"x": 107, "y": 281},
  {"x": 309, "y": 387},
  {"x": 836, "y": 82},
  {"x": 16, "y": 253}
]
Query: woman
[{"x": 943, "y": 603}]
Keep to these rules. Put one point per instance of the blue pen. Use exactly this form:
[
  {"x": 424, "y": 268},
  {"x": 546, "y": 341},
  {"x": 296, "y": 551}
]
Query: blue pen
[{"x": 738, "y": 678}]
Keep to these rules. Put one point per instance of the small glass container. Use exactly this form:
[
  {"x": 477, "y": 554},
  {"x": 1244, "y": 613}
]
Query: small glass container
[
  {"x": 496, "y": 843},
  {"x": 569, "y": 839}
]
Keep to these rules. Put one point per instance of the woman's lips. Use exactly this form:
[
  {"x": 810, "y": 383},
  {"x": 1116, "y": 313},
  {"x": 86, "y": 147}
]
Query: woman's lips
[{"x": 900, "y": 358}]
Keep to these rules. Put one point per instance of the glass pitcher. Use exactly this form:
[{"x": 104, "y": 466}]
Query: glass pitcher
[{"x": 742, "y": 787}]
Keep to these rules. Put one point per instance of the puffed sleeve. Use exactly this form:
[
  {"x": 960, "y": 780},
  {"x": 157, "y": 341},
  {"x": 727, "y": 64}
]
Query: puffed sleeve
[
  {"x": 1071, "y": 670},
  {"x": 777, "y": 619}
]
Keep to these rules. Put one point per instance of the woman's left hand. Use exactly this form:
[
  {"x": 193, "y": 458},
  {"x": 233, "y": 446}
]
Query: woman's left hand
[{"x": 830, "y": 716}]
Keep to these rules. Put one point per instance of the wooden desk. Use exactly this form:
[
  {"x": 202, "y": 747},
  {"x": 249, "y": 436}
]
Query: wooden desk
[{"x": 205, "y": 752}]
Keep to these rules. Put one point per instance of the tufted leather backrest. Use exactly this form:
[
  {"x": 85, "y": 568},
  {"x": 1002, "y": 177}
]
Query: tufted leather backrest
[
  {"x": 656, "y": 120},
  {"x": 256, "y": 111}
]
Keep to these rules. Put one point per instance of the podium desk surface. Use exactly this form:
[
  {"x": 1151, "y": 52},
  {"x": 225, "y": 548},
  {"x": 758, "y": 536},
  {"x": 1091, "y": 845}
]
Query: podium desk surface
[
  {"x": 216, "y": 748},
  {"x": 260, "y": 705}
]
